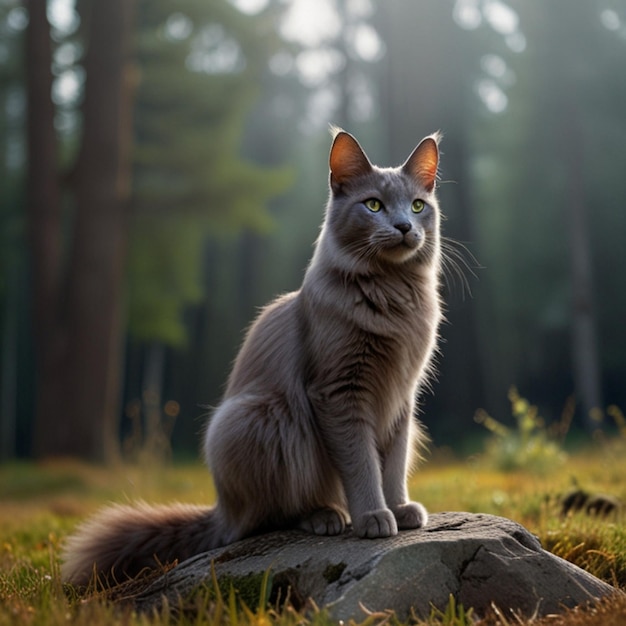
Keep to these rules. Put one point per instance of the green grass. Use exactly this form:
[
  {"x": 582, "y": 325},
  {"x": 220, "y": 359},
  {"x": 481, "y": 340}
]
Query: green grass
[{"x": 41, "y": 504}]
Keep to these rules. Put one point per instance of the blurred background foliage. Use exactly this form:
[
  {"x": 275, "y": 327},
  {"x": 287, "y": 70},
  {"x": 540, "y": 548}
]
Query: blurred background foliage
[{"x": 224, "y": 114}]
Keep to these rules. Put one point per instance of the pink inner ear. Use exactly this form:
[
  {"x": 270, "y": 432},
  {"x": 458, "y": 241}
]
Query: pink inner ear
[
  {"x": 347, "y": 159},
  {"x": 423, "y": 163}
]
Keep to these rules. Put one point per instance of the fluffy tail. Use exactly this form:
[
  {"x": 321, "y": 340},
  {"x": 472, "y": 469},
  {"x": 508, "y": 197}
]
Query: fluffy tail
[{"x": 122, "y": 540}]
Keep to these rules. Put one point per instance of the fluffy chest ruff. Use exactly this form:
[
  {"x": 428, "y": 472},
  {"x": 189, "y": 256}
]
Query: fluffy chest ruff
[{"x": 368, "y": 348}]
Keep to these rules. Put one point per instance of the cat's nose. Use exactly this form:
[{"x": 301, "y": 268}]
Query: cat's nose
[{"x": 403, "y": 227}]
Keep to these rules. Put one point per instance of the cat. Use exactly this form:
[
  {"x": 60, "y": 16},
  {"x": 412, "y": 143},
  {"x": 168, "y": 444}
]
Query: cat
[{"x": 316, "y": 428}]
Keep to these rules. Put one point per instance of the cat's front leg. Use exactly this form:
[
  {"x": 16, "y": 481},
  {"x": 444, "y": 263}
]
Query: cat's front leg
[
  {"x": 396, "y": 462},
  {"x": 376, "y": 524},
  {"x": 360, "y": 470},
  {"x": 352, "y": 449},
  {"x": 410, "y": 515},
  {"x": 371, "y": 518}
]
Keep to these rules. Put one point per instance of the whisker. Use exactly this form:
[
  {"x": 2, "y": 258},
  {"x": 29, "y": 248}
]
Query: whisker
[
  {"x": 457, "y": 261},
  {"x": 459, "y": 252}
]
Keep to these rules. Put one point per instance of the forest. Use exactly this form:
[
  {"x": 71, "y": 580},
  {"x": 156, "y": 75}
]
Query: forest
[{"x": 163, "y": 174}]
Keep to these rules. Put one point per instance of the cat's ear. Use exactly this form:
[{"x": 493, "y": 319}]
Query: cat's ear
[
  {"x": 423, "y": 162},
  {"x": 347, "y": 160}
]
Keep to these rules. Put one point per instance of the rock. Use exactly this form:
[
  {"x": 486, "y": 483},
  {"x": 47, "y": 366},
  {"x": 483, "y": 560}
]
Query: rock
[{"x": 480, "y": 559}]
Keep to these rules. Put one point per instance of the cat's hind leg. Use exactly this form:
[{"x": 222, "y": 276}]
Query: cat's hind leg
[
  {"x": 269, "y": 470},
  {"x": 326, "y": 521}
]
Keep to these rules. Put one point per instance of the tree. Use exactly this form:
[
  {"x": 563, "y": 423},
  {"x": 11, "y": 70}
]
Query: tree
[
  {"x": 14, "y": 327},
  {"x": 545, "y": 193},
  {"x": 44, "y": 217},
  {"x": 543, "y": 238},
  {"x": 569, "y": 148},
  {"x": 78, "y": 305},
  {"x": 118, "y": 236},
  {"x": 192, "y": 187}
]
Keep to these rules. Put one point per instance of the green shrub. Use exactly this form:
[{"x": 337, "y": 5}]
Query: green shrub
[{"x": 529, "y": 446}]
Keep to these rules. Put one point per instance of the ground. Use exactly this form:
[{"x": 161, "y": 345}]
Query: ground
[{"x": 41, "y": 503}]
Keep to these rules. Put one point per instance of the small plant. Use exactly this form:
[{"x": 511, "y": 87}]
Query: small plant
[
  {"x": 620, "y": 421},
  {"x": 453, "y": 615},
  {"x": 529, "y": 446}
]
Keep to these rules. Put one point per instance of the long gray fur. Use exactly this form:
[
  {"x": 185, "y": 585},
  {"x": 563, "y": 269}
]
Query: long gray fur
[{"x": 317, "y": 425}]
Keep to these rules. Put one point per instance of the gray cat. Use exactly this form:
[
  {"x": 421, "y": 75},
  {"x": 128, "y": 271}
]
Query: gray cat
[{"x": 317, "y": 425}]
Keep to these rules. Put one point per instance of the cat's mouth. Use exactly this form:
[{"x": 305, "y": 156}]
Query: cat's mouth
[
  {"x": 404, "y": 246},
  {"x": 412, "y": 240}
]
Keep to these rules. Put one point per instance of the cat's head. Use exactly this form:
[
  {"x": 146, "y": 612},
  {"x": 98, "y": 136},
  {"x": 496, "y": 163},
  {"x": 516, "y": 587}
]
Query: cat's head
[{"x": 381, "y": 216}]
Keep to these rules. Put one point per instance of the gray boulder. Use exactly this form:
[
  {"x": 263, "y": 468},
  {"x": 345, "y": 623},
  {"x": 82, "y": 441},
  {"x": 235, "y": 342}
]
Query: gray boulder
[{"x": 482, "y": 560}]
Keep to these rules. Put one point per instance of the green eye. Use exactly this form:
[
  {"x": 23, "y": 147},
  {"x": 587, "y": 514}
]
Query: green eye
[
  {"x": 373, "y": 205},
  {"x": 418, "y": 206}
]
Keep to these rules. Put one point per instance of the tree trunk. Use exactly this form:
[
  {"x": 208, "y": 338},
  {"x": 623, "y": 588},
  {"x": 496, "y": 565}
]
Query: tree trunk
[
  {"x": 155, "y": 442},
  {"x": 8, "y": 367},
  {"x": 98, "y": 257},
  {"x": 80, "y": 359},
  {"x": 585, "y": 350},
  {"x": 44, "y": 222}
]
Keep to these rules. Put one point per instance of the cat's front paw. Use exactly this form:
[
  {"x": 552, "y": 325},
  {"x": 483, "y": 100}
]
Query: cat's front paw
[
  {"x": 324, "y": 522},
  {"x": 410, "y": 515},
  {"x": 376, "y": 524}
]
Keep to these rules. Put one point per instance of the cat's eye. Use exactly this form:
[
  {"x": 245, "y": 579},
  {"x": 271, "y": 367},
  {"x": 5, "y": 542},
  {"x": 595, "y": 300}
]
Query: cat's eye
[
  {"x": 418, "y": 206},
  {"x": 373, "y": 205}
]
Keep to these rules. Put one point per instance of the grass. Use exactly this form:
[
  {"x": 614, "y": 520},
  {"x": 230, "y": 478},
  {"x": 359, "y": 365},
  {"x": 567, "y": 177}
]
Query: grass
[{"x": 41, "y": 504}]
